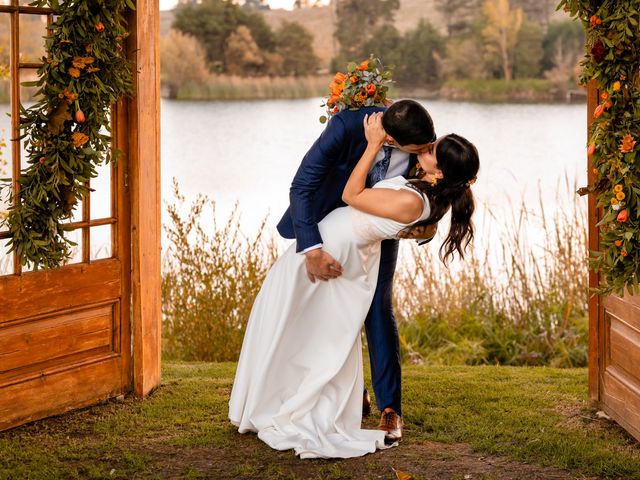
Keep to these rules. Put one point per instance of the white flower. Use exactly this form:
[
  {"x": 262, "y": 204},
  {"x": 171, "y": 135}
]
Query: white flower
[{"x": 616, "y": 207}]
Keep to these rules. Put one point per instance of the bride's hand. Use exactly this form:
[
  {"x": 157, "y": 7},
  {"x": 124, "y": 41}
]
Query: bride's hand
[{"x": 373, "y": 131}]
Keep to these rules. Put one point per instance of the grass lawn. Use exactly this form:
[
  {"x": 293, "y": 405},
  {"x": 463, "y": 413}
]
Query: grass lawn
[{"x": 462, "y": 423}]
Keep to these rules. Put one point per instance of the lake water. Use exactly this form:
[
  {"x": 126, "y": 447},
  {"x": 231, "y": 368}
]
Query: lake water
[{"x": 248, "y": 152}]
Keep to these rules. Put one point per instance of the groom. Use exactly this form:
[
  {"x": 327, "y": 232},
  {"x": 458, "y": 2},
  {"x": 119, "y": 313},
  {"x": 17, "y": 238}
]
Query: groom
[{"x": 317, "y": 189}]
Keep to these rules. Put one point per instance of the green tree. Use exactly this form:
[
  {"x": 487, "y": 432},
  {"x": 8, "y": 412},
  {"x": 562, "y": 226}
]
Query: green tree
[
  {"x": 356, "y": 22},
  {"x": 528, "y": 51},
  {"x": 457, "y": 14},
  {"x": 212, "y": 21},
  {"x": 422, "y": 49},
  {"x": 385, "y": 44},
  {"x": 501, "y": 32},
  {"x": 294, "y": 44},
  {"x": 464, "y": 59},
  {"x": 567, "y": 37}
]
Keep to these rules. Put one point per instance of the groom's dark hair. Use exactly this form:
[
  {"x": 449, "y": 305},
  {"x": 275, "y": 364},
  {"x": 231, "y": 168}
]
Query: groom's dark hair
[{"x": 408, "y": 123}]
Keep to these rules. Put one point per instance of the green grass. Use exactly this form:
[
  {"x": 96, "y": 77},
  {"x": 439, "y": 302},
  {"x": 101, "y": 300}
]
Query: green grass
[{"x": 531, "y": 415}]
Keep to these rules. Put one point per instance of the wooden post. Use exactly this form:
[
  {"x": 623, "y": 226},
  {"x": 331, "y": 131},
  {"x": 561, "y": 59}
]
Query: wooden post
[
  {"x": 595, "y": 336},
  {"x": 144, "y": 182}
]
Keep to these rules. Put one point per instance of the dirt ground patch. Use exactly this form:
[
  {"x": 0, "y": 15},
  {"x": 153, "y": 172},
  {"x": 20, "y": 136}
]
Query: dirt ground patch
[{"x": 251, "y": 459}]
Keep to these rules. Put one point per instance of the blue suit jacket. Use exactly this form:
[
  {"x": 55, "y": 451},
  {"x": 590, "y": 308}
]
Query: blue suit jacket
[{"x": 317, "y": 186}]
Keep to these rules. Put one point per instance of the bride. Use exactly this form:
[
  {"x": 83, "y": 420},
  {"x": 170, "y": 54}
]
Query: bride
[{"x": 299, "y": 379}]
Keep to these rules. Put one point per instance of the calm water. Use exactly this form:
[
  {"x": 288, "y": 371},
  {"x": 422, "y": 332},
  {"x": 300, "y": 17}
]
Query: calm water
[{"x": 248, "y": 152}]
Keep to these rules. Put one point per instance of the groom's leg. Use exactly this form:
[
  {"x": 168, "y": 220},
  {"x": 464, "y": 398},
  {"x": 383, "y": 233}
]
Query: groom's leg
[{"x": 382, "y": 335}]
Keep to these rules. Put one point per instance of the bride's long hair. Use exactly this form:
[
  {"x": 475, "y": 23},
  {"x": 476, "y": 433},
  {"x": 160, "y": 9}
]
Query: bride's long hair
[{"x": 459, "y": 162}]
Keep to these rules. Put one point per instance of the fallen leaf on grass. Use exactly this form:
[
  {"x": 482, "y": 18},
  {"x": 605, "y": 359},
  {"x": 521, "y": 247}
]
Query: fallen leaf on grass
[{"x": 400, "y": 475}]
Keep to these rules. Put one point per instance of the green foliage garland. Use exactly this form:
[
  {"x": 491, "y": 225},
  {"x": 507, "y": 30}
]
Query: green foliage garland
[
  {"x": 67, "y": 131},
  {"x": 613, "y": 61}
]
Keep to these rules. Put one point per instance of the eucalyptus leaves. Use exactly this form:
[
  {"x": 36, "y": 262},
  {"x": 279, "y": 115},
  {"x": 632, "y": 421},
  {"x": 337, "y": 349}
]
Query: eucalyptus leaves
[{"x": 66, "y": 133}]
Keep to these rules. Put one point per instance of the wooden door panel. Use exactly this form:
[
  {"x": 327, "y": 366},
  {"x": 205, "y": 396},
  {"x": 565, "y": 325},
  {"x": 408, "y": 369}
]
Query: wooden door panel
[
  {"x": 621, "y": 399},
  {"x": 37, "y": 293},
  {"x": 55, "y": 337},
  {"x": 620, "y": 357},
  {"x": 58, "y": 389}
]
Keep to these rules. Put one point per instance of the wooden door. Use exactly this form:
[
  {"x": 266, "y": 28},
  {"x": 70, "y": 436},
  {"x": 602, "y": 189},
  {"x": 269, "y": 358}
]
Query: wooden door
[
  {"x": 65, "y": 335},
  {"x": 614, "y": 337}
]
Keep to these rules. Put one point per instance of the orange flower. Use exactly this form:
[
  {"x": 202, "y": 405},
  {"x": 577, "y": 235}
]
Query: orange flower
[
  {"x": 370, "y": 89},
  {"x": 628, "y": 144},
  {"x": 92, "y": 69},
  {"x": 604, "y": 95},
  {"x": 623, "y": 216},
  {"x": 99, "y": 27},
  {"x": 332, "y": 100},
  {"x": 364, "y": 65},
  {"x": 608, "y": 104},
  {"x": 79, "y": 139},
  {"x": 614, "y": 201},
  {"x": 595, "y": 171},
  {"x": 336, "y": 89},
  {"x": 595, "y": 20},
  {"x": 592, "y": 149},
  {"x": 618, "y": 243},
  {"x": 79, "y": 62},
  {"x": 74, "y": 72},
  {"x": 340, "y": 77},
  {"x": 353, "y": 79},
  {"x": 616, "y": 86},
  {"x": 598, "y": 111},
  {"x": 623, "y": 77},
  {"x": 68, "y": 95},
  {"x": 620, "y": 195},
  {"x": 617, "y": 188},
  {"x": 623, "y": 253}
]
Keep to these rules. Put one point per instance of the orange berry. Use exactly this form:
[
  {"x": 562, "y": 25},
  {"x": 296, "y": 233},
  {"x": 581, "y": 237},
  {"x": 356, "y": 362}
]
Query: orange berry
[{"x": 623, "y": 216}]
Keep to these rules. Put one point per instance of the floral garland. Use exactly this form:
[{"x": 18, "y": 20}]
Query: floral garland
[
  {"x": 363, "y": 85},
  {"x": 67, "y": 132},
  {"x": 613, "y": 61}
]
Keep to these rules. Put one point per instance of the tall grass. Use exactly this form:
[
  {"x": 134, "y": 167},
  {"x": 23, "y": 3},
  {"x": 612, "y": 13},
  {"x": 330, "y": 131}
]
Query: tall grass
[
  {"x": 226, "y": 87},
  {"x": 495, "y": 90},
  {"x": 209, "y": 282},
  {"x": 522, "y": 301}
]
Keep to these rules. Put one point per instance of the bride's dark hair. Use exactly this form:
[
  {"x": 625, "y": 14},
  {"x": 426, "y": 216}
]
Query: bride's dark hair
[{"x": 458, "y": 159}]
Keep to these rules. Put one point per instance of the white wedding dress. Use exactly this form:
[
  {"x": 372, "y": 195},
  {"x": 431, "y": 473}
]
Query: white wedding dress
[{"x": 299, "y": 379}]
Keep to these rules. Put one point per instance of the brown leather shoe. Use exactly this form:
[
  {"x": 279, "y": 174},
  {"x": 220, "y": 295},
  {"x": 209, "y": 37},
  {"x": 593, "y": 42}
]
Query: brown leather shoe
[
  {"x": 366, "y": 404},
  {"x": 391, "y": 423}
]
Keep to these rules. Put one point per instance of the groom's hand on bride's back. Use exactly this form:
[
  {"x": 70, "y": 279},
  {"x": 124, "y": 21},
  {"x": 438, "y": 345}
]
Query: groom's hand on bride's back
[
  {"x": 322, "y": 266},
  {"x": 422, "y": 233}
]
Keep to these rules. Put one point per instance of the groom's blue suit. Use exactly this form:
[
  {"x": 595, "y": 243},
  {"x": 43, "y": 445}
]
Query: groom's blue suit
[{"x": 315, "y": 191}]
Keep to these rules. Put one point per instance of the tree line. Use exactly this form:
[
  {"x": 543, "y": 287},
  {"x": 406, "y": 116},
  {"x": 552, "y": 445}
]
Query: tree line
[{"x": 478, "y": 40}]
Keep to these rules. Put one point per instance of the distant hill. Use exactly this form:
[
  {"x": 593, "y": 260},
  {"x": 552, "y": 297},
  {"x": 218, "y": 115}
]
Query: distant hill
[{"x": 320, "y": 22}]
